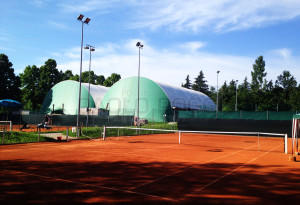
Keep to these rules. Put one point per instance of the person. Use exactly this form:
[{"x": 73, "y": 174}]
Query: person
[{"x": 46, "y": 121}]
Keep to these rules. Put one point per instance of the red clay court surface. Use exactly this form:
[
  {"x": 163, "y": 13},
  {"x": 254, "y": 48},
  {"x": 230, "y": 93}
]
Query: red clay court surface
[{"x": 139, "y": 170}]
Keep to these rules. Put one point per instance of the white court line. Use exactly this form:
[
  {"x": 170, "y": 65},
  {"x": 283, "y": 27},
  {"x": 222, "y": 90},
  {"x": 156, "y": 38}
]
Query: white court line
[
  {"x": 141, "y": 155},
  {"x": 182, "y": 170},
  {"x": 89, "y": 185},
  {"x": 225, "y": 175}
]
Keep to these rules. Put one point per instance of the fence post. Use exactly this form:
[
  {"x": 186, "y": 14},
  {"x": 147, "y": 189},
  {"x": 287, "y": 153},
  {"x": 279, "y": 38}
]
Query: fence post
[{"x": 104, "y": 129}]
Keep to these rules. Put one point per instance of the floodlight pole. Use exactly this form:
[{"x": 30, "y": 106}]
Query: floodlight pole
[
  {"x": 86, "y": 21},
  {"x": 236, "y": 95},
  {"x": 140, "y": 46},
  {"x": 217, "y": 92},
  {"x": 91, "y": 48}
]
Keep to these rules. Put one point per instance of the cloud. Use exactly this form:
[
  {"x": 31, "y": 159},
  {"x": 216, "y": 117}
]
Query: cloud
[
  {"x": 192, "y": 46},
  {"x": 57, "y": 25},
  {"x": 77, "y": 6},
  {"x": 191, "y": 16},
  {"x": 283, "y": 52},
  {"x": 169, "y": 66},
  {"x": 215, "y": 15}
]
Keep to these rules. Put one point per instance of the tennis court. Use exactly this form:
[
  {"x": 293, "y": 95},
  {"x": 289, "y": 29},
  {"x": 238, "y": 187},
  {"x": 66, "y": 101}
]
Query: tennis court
[{"x": 151, "y": 169}]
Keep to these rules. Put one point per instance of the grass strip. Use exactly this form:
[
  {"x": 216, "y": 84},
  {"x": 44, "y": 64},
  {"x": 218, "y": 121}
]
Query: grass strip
[{"x": 22, "y": 137}]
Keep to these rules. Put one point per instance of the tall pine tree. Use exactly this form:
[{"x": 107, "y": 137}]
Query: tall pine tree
[
  {"x": 200, "y": 84},
  {"x": 187, "y": 83}
]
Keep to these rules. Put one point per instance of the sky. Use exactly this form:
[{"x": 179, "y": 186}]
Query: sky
[{"x": 180, "y": 37}]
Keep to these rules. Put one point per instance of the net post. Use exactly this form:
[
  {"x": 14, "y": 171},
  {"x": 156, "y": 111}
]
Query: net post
[
  {"x": 39, "y": 129},
  {"x": 258, "y": 142},
  {"x": 67, "y": 133},
  {"x": 179, "y": 137},
  {"x": 285, "y": 143},
  {"x": 3, "y": 133},
  {"x": 104, "y": 129}
]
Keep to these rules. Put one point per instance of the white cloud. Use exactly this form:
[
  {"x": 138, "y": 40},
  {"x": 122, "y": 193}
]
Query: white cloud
[
  {"x": 279, "y": 60},
  {"x": 78, "y": 6},
  {"x": 216, "y": 15},
  {"x": 192, "y": 46},
  {"x": 169, "y": 66},
  {"x": 172, "y": 66},
  {"x": 57, "y": 25},
  {"x": 284, "y": 53}
]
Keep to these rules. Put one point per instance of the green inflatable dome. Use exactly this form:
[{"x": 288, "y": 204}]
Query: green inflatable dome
[
  {"x": 156, "y": 100},
  {"x": 63, "y": 97}
]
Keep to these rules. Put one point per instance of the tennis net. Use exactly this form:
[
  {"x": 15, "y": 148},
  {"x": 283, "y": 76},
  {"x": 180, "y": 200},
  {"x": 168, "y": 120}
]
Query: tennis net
[{"x": 214, "y": 140}]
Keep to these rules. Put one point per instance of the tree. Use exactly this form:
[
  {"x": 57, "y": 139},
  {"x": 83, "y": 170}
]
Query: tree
[
  {"x": 112, "y": 79},
  {"x": 268, "y": 99},
  {"x": 9, "y": 82},
  {"x": 187, "y": 83},
  {"x": 85, "y": 77},
  {"x": 49, "y": 76},
  {"x": 223, "y": 95},
  {"x": 285, "y": 84},
  {"x": 67, "y": 75},
  {"x": 245, "y": 99},
  {"x": 258, "y": 80},
  {"x": 294, "y": 99},
  {"x": 213, "y": 94},
  {"x": 29, "y": 83},
  {"x": 100, "y": 80},
  {"x": 36, "y": 83},
  {"x": 258, "y": 74},
  {"x": 200, "y": 84},
  {"x": 75, "y": 77},
  {"x": 286, "y": 80}
]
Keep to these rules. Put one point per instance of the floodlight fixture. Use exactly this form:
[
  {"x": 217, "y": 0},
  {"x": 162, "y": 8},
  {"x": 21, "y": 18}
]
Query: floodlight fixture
[
  {"x": 87, "y": 20},
  {"x": 80, "y": 17},
  {"x": 139, "y": 45}
]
